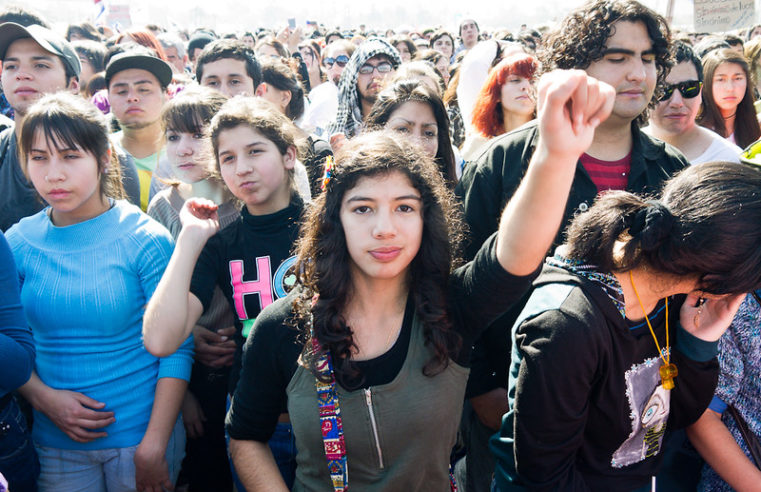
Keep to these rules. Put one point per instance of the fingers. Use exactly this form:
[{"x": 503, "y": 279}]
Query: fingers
[
  {"x": 81, "y": 435},
  {"x": 605, "y": 97},
  {"x": 202, "y": 208},
  {"x": 89, "y": 402}
]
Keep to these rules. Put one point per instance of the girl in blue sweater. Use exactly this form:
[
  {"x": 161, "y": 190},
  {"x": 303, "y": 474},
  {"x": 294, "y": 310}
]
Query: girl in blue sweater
[{"x": 106, "y": 411}]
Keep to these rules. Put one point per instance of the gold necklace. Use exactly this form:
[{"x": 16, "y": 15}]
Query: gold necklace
[{"x": 668, "y": 370}]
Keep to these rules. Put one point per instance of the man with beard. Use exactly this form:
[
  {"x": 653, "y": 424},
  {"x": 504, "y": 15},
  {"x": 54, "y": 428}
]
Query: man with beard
[
  {"x": 372, "y": 63},
  {"x": 137, "y": 81}
]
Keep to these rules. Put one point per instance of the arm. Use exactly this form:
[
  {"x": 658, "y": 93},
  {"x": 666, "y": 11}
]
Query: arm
[
  {"x": 570, "y": 106},
  {"x": 716, "y": 445},
  {"x": 173, "y": 311},
  {"x": 256, "y": 467},
  {"x": 151, "y": 470},
  {"x": 74, "y": 413}
]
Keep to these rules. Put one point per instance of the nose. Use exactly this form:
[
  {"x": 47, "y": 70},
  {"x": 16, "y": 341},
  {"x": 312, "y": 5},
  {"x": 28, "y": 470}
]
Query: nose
[
  {"x": 55, "y": 172},
  {"x": 132, "y": 96},
  {"x": 638, "y": 71},
  {"x": 184, "y": 148},
  {"x": 676, "y": 99},
  {"x": 23, "y": 75},
  {"x": 384, "y": 226},
  {"x": 242, "y": 168}
]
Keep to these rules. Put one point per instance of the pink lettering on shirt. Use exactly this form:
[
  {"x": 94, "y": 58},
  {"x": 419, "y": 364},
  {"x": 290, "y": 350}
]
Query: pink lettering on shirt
[{"x": 262, "y": 285}]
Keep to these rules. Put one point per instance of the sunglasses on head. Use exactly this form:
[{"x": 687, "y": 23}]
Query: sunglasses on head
[
  {"x": 688, "y": 89},
  {"x": 341, "y": 60}
]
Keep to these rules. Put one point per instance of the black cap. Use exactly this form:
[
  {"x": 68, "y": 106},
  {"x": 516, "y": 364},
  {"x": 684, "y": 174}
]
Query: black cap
[
  {"x": 124, "y": 61},
  {"x": 50, "y": 41}
]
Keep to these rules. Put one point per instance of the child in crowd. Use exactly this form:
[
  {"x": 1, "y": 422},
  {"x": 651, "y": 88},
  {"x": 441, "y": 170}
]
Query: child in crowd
[
  {"x": 254, "y": 145},
  {"x": 185, "y": 120},
  {"x": 106, "y": 411}
]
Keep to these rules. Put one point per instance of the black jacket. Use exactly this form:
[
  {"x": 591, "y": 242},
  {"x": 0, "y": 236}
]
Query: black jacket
[
  {"x": 492, "y": 179},
  {"x": 584, "y": 410}
]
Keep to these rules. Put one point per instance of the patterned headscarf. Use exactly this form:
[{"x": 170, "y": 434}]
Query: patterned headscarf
[{"x": 349, "y": 115}]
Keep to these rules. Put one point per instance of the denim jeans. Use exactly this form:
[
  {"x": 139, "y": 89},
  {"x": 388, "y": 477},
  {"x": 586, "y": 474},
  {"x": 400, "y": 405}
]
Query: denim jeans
[
  {"x": 101, "y": 470},
  {"x": 18, "y": 460},
  {"x": 283, "y": 447}
]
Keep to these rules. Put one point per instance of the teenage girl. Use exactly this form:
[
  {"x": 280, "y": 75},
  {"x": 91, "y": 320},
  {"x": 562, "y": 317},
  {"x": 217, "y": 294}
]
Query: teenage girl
[
  {"x": 255, "y": 151},
  {"x": 106, "y": 411},
  {"x": 383, "y": 322},
  {"x": 185, "y": 120}
]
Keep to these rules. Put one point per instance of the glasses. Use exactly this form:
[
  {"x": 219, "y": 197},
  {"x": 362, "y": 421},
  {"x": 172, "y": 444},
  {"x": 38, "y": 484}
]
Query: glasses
[
  {"x": 688, "y": 89},
  {"x": 384, "y": 67},
  {"x": 341, "y": 60}
]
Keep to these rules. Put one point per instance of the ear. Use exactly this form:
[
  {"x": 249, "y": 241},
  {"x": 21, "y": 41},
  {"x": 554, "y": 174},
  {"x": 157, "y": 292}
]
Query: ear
[
  {"x": 105, "y": 165},
  {"x": 261, "y": 90},
  {"x": 289, "y": 158},
  {"x": 285, "y": 99},
  {"x": 74, "y": 85}
]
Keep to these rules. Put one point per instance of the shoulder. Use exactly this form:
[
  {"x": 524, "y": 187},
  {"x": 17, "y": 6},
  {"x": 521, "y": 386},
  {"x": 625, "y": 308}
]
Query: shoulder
[
  {"x": 666, "y": 155},
  {"x": 141, "y": 229},
  {"x": 504, "y": 155},
  {"x": 275, "y": 325},
  {"x": 28, "y": 228}
]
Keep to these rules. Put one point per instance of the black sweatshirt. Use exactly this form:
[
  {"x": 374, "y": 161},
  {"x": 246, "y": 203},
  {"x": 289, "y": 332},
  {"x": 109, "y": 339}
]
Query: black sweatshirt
[{"x": 584, "y": 410}]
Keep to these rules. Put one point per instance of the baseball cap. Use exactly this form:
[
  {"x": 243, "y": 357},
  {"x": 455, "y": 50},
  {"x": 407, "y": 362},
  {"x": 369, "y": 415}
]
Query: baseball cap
[
  {"x": 50, "y": 41},
  {"x": 142, "y": 60}
]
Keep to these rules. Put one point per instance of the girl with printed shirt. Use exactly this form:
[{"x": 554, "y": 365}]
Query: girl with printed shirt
[
  {"x": 254, "y": 146},
  {"x": 368, "y": 353},
  {"x": 106, "y": 411},
  {"x": 185, "y": 120}
]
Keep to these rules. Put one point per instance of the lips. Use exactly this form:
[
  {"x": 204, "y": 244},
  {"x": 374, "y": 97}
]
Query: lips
[
  {"x": 385, "y": 254},
  {"x": 25, "y": 91},
  {"x": 248, "y": 185},
  {"x": 58, "y": 194}
]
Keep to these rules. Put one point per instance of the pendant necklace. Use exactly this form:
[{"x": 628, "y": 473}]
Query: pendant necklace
[{"x": 668, "y": 370}]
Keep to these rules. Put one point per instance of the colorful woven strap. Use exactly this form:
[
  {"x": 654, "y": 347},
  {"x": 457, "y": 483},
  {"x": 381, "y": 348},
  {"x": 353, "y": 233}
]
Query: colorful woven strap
[{"x": 330, "y": 421}]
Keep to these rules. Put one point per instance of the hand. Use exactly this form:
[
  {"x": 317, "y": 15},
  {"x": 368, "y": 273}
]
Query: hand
[
  {"x": 76, "y": 414},
  {"x": 214, "y": 349},
  {"x": 199, "y": 217},
  {"x": 709, "y": 318},
  {"x": 151, "y": 469},
  {"x": 192, "y": 416},
  {"x": 570, "y": 105}
]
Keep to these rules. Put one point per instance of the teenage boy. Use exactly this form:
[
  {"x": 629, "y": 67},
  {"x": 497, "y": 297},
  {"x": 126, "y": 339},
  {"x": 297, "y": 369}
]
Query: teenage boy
[
  {"x": 137, "y": 89},
  {"x": 229, "y": 66},
  {"x": 36, "y": 61},
  {"x": 627, "y": 46}
]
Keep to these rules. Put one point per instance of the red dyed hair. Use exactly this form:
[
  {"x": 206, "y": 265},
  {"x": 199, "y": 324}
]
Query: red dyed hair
[
  {"x": 487, "y": 113},
  {"x": 144, "y": 38}
]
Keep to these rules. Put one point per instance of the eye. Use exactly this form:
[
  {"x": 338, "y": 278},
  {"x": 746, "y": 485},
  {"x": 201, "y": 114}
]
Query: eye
[
  {"x": 211, "y": 83},
  {"x": 406, "y": 208},
  {"x": 227, "y": 159},
  {"x": 431, "y": 134},
  {"x": 235, "y": 82},
  {"x": 402, "y": 129},
  {"x": 198, "y": 136},
  {"x": 648, "y": 58},
  {"x": 121, "y": 92},
  {"x": 144, "y": 90},
  {"x": 9, "y": 66},
  {"x": 254, "y": 151},
  {"x": 616, "y": 59},
  {"x": 172, "y": 138},
  {"x": 41, "y": 65},
  {"x": 361, "y": 209},
  {"x": 71, "y": 155}
]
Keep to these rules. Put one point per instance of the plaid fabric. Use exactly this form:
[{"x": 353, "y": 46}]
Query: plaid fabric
[{"x": 349, "y": 116}]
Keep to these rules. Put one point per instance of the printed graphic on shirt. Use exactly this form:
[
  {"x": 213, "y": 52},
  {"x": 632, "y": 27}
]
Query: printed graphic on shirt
[
  {"x": 650, "y": 405},
  {"x": 262, "y": 283}
]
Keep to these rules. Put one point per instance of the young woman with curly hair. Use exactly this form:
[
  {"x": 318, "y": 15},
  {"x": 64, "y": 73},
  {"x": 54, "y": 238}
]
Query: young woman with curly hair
[
  {"x": 506, "y": 101},
  {"x": 370, "y": 347}
]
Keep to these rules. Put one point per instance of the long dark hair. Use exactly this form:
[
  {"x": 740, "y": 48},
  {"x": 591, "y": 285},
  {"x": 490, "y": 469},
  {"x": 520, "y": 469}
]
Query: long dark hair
[
  {"x": 747, "y": 129},
  {"x": 705, "y": 224},
  {"x": 391, "y": 98},
  {"x": 323, "y": 258}
]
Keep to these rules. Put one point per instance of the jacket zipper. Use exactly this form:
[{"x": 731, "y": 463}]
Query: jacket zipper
[{"x": 369, "y": 401}]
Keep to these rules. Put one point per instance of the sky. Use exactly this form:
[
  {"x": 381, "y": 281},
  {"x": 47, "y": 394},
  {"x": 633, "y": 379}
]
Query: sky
[{"x": 240, "y": 15}]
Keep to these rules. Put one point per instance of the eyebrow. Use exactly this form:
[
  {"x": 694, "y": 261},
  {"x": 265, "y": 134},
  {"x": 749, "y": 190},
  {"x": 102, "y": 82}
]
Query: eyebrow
[
  {"x": 139, "y": 82},
  {"x": 623, "y": 51},
  {"x": 410, "y": 122},
  {"x": 368, "y": 199}
]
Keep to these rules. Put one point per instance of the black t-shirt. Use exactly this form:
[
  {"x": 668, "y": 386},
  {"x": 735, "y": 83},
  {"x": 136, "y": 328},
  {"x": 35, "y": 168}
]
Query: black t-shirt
[
  {"x": 478, "y": 292},
  {"x": 251, "y": 262}
]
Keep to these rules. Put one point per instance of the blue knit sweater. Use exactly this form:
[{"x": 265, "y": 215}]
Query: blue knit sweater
[{"x": 84, "y": 289}]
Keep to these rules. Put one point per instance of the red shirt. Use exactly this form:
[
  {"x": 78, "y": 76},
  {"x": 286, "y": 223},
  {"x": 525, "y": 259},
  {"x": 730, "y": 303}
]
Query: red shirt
[{"x": 608, "y": 175}]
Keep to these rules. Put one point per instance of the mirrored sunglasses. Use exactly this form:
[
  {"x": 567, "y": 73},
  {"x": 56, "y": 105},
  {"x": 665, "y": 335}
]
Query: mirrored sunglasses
[
  {"x": 688, "y": 89},
  {"x": 341, "y": 60}
]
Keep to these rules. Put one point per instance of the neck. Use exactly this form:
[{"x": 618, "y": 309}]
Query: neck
[
  {"x": 142, "y": 142},
  {"x": 729, "y": 120},
  {"x": 513, "y": 120},
  {"x": 96, "y": 208},
  {"x": 652, "y": 286},
  {"x": 18, "y": 118},
  {"x": 690, "y": 142},
  {"x": 612, "y": 141},
  {"x": 365, "y": 106},
  {"x": 376, "y": 298}
]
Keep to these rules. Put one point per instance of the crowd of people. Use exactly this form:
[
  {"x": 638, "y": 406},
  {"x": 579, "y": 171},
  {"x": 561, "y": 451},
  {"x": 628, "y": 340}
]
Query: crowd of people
[{"x": 308, "y": 258}]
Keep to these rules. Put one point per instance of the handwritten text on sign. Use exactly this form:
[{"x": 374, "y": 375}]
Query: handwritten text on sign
[{"x": 723, "y": 15}]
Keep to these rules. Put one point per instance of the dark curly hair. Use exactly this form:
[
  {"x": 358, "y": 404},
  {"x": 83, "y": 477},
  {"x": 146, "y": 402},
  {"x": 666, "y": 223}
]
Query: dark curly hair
[
  {"x": 580, "y": 39},
  {"x": 323, "y": 257}
]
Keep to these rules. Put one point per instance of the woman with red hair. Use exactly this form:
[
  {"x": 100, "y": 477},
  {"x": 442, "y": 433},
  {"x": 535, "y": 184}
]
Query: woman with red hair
[
  {"x": 142, "y": 37},
  {"x": 506, "y": 101}
]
